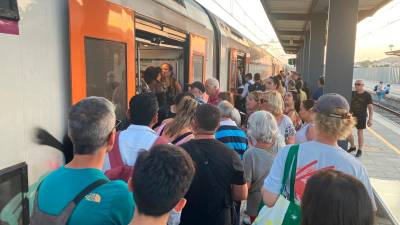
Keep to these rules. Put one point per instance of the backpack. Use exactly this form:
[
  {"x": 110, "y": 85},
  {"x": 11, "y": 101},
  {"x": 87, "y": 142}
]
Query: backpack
[
  {"x": 257, "y": 86},
  {"x": 118, "y": 170},
  {"x": 40, "y": 218}
]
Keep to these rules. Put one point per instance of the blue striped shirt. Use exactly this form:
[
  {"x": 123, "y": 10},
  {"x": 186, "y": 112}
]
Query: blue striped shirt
[{"x": 232, "y": 136}]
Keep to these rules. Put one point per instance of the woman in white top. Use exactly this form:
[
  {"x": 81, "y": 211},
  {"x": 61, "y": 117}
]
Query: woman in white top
[
  {"x": 307, "y": 131},
  {"x": 272, "y": 102}
]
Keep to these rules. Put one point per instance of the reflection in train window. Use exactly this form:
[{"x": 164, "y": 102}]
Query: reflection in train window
[
  {"x": 9, "y": 9},
  {"x": 106, "y": 72},
  {"x": 198, "y": 67}
]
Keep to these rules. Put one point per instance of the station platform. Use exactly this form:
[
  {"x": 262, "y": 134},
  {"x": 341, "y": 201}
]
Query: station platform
[{"x": 381, "y": 157}]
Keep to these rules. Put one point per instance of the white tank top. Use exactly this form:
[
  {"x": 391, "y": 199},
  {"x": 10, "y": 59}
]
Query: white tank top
[{"x": 301, "y": 134}]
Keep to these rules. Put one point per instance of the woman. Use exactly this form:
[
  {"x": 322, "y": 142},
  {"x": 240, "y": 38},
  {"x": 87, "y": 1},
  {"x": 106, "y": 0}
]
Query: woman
[
  {"x": 252, "y": 102},
  {"x": 226, "y": 95},
  {"x": 264, "y": 135},
  {"x": 307, "y": 131},
  {"x": 299, "y": 88},
  {"x": 178, "y": 130},
  {"x": 152, "y": 76},
  {"x": 335, "y": 198},
  {"x": 274, "y": 84},
  {"x": 170, "y": 83},
  {"x": 292, "y": 106},
  {"x": 272, "y": 102},
  {"x": 333, "y": 122}
]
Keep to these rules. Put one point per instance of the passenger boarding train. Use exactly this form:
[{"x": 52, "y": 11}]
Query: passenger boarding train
[{"x": 55, "y": 52}]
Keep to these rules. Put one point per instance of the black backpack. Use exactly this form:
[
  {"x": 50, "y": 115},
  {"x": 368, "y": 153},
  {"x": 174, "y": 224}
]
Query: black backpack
[{"x": 257, "y": 86}]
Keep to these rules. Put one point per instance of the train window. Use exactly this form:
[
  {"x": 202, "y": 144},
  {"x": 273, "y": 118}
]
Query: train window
[
  {"x": 198, "y": 67},
  {"x": 14, "y": 206},
  {"x": 106, "y": 72},
  {"x": 9, "y": 10}
]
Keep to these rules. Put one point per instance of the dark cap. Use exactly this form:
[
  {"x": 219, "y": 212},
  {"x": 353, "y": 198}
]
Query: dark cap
[
  {"x": 198, "y": 85},
  {"x": 333, "y": 105}
]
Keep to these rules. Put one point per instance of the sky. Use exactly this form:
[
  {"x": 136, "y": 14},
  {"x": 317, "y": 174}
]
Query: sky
[{"x": 374, "y": 34}]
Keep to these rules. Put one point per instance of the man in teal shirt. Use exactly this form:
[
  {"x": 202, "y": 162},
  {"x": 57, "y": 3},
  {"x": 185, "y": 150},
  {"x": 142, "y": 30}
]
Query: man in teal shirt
[{"x": 91, "y": 127}]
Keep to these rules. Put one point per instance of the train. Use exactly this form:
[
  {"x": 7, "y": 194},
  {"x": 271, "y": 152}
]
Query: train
[{"x": 54, "y": 53}]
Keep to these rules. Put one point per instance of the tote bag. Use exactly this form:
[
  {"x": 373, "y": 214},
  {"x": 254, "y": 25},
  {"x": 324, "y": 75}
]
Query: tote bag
[{"x": 285, "y": 211}]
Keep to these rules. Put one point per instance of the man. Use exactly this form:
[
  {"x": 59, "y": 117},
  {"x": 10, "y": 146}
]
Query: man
[
  {"x": 258, "y": 84},
  {"x": 197, "y": 89},
  {"x": 161, "y": 179},
  {"x": 219, "y": 178},
  {"x": 360, "y": 102},
  {"x": 248, "y": 82},
  {"x": 79, "y": 192},
  {"x": 143, "y": 115},
  {"x": 212, "y": 90},
  {"x": 320, "y": 88},
  {"x": 228, "y": 132}
]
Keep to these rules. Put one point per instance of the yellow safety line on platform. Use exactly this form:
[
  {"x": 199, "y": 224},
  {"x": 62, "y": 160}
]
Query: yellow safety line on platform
[{"x": 384, "y": 140}]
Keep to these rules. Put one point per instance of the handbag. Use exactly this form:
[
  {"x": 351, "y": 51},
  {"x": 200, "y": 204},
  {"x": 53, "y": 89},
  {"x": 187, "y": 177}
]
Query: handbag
[{"x": 285, "y": 211}]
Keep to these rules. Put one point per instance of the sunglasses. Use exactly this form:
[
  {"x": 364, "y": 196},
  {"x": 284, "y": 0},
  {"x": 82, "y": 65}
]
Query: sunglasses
[{"x": 358, "y": 84}]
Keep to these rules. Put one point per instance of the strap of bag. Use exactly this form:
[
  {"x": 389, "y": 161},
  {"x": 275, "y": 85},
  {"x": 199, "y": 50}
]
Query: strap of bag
[
  {"x": 290, "y": 166},
  {"x": 88, "y": 189},
  {"x": 180, "y": 138},
  {"x": 115, "y": 154}
]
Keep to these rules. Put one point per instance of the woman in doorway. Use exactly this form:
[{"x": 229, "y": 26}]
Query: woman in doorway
[
  {"x": 170, "y": 83},
  {"x": 152, "y": 76}
]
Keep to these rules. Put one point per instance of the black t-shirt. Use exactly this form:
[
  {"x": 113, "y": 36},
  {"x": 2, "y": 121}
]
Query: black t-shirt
[
  {"x": 209, "y": 198},
  {"x": 359, "y": 103}
]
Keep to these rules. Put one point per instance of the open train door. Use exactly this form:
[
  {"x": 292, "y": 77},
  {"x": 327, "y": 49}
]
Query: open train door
[
  {"x": 102, "y": 52},
  {"x": 197, "y": 58},
  {"x": 233, "y": 70}
]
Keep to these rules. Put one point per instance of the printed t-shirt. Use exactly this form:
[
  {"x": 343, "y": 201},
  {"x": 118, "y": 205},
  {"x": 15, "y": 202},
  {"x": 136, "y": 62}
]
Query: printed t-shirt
[
  {"x": 110, "y": 203},
  {"x": 359, "y": 103},
  {"x": 286, "y": 127},
  {"x": 314, "y": 157},
  {"x": 226, "y": 169}
]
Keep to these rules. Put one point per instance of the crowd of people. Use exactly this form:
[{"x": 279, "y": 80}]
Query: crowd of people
[{"x": 196, "y": 157}]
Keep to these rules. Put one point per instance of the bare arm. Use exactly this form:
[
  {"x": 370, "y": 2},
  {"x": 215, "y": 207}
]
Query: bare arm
[
  {"x": 239, "y": 192},
  {"x": 269, "y": 198},
  {"x": 370, "y": 114},
  {"x": 291, "y": 140}
]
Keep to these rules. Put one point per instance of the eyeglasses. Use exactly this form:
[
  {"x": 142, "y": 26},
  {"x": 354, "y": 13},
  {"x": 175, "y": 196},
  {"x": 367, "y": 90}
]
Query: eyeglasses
[
  {"x": 358, "y": 84},
  {"x": 117, "y": 123}
]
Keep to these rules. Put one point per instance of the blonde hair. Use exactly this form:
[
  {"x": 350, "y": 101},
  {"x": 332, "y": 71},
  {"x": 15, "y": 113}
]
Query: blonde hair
[
  {"x": 340, "y": 127},
  {"x": 262, "y": 127},
  {"x": 275, "y": 100},
  {"x": 185, "y": 112}
]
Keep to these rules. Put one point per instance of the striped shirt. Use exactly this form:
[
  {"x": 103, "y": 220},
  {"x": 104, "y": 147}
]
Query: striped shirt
[{"x": 232, "y": 136}]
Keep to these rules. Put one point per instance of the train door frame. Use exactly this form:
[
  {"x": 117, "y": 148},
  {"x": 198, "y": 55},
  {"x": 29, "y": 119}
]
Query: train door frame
[
  {"x": 233, "y": 76},
  {"x": 101, "y": 20},
  {"x": 153, "y": 32},
  {"x": 197, "y": 47}
]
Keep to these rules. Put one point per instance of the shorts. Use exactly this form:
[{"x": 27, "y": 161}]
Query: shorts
[{"x": 361, "y": 122}]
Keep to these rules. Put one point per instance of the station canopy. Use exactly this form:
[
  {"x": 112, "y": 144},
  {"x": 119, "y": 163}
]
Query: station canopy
[{"x": 290, "y": 18}]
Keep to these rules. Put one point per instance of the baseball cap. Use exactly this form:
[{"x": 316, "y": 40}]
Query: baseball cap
[
  {"x": 198, "y": 85},
  {"x": 332, "y": 105}
]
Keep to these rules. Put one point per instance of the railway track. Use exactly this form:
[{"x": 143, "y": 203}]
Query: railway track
[{"x": 387, "y": 112}]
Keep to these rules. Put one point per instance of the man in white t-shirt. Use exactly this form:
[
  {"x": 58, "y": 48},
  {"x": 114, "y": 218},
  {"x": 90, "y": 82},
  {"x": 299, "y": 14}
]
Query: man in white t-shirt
[
  {"x": 143, "y": 115},
  {"x": 321, "y": 154}
]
